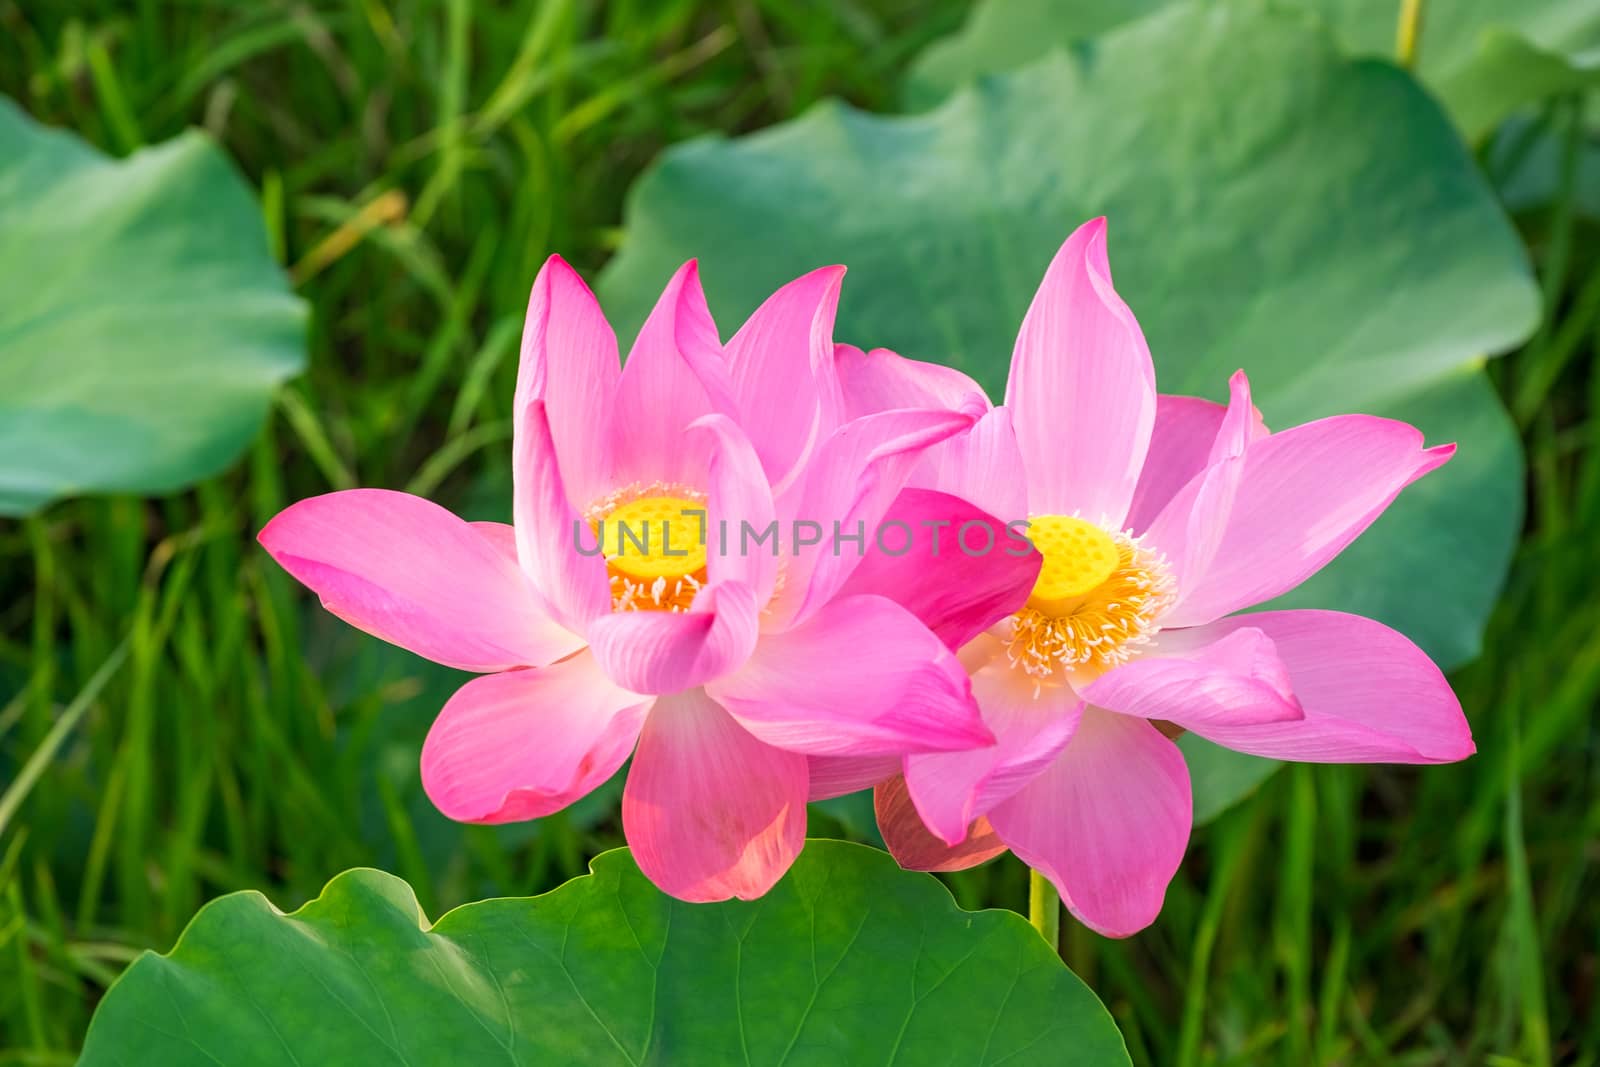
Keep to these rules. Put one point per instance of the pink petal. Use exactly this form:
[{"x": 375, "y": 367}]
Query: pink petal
[
  {"x": 917, "y": 849},
  {"x": 1180, "y": 442},
  {"x": 834, "y": 776},
  {"x": 1369, "y": 694},
  {"x": 1241, "y": 421},
  {"x": 1235, "y": 680},
  {"x": 738, "y": 497},
  {"x": 569, "y": 360},
  {"x": 1082, "y": 388},
  {"x": 881, "y": 380},
  {"x": 1185, "y": 433},
  {"x": 503, "y": 536},
  {"x": 849, "y": 485},
  {"x": 709, "y": 811},
  {"x": 1304, "y": 494},
  {"x": 982, "y": 575},
  {"x": 1107, "y": 823},
  {"x": 951, "y": 789},
  {"x": 861, "y": 677},
  {"x": 573, "y": 586},
  {"x": 407, "y": 571},
  {"x": 1189, "y": 529},
  {"x": 675, "y": 373},
  {"x": 781, "y": 369},
  {"x": 665, "y": 651},
  {"x": 982, "y": 466},
  {"x": 523, "y": 744}
]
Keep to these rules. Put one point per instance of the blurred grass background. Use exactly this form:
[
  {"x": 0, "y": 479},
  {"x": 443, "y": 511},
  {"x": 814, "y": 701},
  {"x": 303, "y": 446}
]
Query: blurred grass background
[{"x": 416, "y": 162}]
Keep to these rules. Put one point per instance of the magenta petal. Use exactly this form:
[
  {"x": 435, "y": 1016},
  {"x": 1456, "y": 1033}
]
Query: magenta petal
[
  {"x": 503, "y": 536},
  {"x": 1107, "y": 822},
  {"x": 664, "y": 651},
  {"x": 1190, "y": 528},
  {"x": 951, "y": 789},
  {"x": 569, "y": 361},
  {"x": 1304, "y": 494},
  {"x": 573, "y": 586},
  {"x": 781, "y": 370},
  {"x": 849, "y": 485},
  {"x": 882, "y": 380},
  {"x": 709, "y": 811},
  {"x": 1235, "y": 680},
  {"x": 738, "y": 497},
  {"x": 982, "y": 466},
  {"x": 861, "y": 677},
  {"x": 404, "y": 569},
  {"x": 1241, "y": 422},
  {"x": 834, "y": 776},
  {"x": 1369, "y": 694},
  {"x": 674, "y": 374},
  {"x": 978, "y": 582},
  {"x": 1082, "y": 389},
  {"x": 1180, "y": 444},
  {"x": 523, "y": 744}
]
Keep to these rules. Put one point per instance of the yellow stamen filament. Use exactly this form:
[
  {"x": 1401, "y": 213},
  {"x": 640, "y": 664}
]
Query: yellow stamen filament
[
  {"x": 653, "y": 540},
  {"x": 1096, "y": 600}
]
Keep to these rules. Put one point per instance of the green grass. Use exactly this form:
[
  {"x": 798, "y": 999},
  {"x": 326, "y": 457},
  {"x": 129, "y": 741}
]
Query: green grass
[{"x": 178, "y": 721}]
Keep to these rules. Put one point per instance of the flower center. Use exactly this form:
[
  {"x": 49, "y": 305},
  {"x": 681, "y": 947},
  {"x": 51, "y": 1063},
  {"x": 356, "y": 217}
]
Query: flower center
[
  {"x": 1097, "y": 598},
  {"x": 654, "y": 546}
]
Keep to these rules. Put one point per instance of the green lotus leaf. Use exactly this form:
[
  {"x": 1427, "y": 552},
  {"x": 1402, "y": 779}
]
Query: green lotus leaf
[
  {"x": 144, "y": 325},
  {"x": 847, "y": 960},
  {"x": 1483, "y": 58}
]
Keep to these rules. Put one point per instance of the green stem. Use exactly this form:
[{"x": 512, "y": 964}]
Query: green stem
[
  {"x": 1408, "y": 33},
  {"x": 1044, "y": 909}
]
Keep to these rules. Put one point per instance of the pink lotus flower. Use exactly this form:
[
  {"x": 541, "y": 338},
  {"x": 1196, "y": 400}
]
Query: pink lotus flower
[
  {"x": 1159, "y": 518},
  {"x": 720, "y": 670}
]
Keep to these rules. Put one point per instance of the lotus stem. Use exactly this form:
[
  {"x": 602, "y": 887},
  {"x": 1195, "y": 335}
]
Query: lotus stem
[
  {"x": 1044, "y": 909},
  {"x": 1408, "y": 33}
]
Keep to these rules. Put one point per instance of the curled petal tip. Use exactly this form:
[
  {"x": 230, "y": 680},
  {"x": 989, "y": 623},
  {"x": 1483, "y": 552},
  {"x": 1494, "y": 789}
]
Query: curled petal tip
[{"x": 1432, "y": 459}]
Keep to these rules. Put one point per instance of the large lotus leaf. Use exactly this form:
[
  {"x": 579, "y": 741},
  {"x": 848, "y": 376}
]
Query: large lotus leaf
[
  {"x": 143, "y": 323},
  {"x": 847, "y": 960},
  {"x": 1272, "y": 204},
  {"x": 1482, "y": 57}
]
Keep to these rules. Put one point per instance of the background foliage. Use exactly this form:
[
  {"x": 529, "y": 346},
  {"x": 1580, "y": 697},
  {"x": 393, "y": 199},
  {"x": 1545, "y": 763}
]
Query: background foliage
[{"x": 415, "y": 162}]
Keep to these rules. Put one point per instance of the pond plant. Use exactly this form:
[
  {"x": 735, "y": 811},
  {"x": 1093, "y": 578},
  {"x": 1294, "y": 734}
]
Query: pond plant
[{"x": 919, "y": 554}]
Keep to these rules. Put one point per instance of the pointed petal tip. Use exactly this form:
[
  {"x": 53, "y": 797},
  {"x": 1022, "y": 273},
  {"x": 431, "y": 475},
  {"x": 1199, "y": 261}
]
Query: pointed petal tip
[
  {"x": 1096, "y": 257},
  {"x": 973, "y": 735},
  {"x": 556, "y": 266},
  {"x": 267, "y": 536}
]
